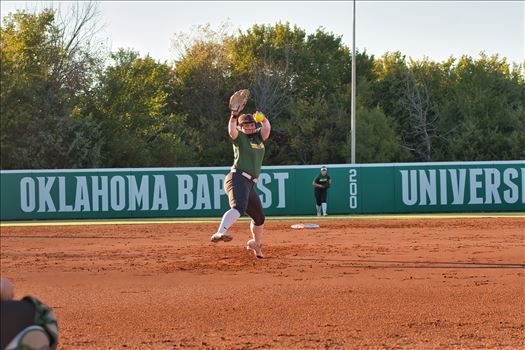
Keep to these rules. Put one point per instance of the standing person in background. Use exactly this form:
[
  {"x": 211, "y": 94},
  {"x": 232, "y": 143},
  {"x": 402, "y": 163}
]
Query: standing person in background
[
  {"x": 248, "y": 152},
  {"x": 321, "y": 184}
]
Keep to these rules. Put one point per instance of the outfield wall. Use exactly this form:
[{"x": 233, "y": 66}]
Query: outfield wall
[{"x": 284, "y": 190}]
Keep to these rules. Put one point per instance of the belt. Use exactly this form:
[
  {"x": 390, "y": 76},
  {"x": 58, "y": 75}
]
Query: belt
[{"x": 245, "y": 174}]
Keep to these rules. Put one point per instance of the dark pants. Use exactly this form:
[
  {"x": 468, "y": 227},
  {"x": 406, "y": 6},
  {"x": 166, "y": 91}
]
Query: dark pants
[
  {"x": 243, "y": 197},
  {"x": 15, "y": 316},
  {"x": 320, "y": 195}
]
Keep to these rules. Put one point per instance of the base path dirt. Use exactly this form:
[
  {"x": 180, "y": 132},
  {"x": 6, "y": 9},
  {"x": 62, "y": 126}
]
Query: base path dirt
[{"x": 374, "y": 284}]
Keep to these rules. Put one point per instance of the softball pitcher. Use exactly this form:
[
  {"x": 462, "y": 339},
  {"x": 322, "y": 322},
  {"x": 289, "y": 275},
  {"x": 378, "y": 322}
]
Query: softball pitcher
[{"x": 239, "y": 184}]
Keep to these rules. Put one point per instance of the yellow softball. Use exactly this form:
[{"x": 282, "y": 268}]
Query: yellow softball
[{"x": 258, "y": 117}]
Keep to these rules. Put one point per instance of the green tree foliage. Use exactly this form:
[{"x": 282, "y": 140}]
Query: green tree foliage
[
  {"x": 266, "y": 58},
  {"x": 402, "y": 93},
  {"x": 377, "y": 140},
  {"x": 201, "y": 89},
  {"x": 133, "y": 104},
  {"x": 41, "y": 81},
  {"x": 456, "y": 110},
  {"x": 303, "y": 83},
  {"x": 484, "y": 102},
  {"x": 61, "y": 108}
]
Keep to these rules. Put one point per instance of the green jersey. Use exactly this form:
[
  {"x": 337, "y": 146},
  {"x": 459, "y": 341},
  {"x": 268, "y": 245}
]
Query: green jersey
[
  {"x": 323, "y": 180},
  {"x": 248, "y": 153}
]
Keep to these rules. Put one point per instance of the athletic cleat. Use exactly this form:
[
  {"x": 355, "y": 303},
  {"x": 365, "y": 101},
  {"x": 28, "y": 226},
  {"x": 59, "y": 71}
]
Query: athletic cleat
[
  {"x": 216, "y": 237},
  {"x": 257, "y": 248},
  {"x": 325, "y": 214}
]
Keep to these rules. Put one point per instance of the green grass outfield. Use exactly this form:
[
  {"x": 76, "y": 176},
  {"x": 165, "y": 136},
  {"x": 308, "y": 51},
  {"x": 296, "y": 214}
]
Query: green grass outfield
[{"x": 135, "y": 221}]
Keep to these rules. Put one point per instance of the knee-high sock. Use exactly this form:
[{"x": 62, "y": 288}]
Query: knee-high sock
[
  {"x": 318, "y": 207},
  {"x": 228, "y": 219},
  {"x": 257, "y": 232},
  {"x": 324, "y": 207}
]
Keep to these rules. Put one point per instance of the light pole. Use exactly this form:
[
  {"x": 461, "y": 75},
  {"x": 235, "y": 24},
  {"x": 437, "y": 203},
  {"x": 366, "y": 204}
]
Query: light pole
[{"x": 353, "y": 102}]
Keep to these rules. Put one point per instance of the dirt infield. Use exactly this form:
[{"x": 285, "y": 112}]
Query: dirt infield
[{"x": 407, "y": 284}]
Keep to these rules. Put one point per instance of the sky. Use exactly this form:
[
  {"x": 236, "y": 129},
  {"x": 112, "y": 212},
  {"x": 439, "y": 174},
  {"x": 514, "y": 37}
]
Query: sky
[{"x": 419, "y": 29}]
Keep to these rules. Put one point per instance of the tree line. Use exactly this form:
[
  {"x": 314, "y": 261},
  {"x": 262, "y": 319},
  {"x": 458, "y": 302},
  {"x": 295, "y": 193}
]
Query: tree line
[{"x": 66, "y": 102}]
